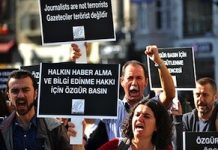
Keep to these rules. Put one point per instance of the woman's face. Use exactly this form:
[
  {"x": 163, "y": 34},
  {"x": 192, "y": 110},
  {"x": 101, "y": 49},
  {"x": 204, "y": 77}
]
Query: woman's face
[{"x": 143, "y": 122}]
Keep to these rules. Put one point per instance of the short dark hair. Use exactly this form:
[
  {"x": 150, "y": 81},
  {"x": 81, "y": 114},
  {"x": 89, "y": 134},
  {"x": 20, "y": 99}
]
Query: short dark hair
[
  {"x": 20, "y": 74},
  {"x": 208, "y": 80},
  {"x": 134, "y": 62},
  {"x": 162, "y": 137}
]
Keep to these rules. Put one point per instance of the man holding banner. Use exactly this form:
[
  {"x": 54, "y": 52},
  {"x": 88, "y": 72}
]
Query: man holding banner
[
  {"x": 134, "y": 80},
  {"x": 22, "y": 129}
]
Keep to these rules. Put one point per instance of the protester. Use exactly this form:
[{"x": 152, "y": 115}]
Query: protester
[
  {"x": 134, "y": 80},
  {"x": 22, "y": 129},
  {"x": 204, "y": 117},
  {"x": 148, "y": 127}
]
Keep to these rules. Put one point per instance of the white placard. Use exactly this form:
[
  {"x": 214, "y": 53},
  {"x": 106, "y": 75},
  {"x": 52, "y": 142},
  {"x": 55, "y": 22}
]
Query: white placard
[{"x": 77, "y": 121}]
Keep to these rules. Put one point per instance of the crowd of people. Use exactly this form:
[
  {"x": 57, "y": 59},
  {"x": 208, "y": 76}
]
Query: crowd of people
[
  {"x": 143, "y": 121},
  {"x": 22, "y": 129}
]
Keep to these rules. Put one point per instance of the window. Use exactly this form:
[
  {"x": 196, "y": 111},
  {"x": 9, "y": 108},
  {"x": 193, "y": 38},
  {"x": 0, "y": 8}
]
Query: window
[
  {"x": 197, "y": 17},
  {"x": 208, "y": 64},
  {"x": 143, "y": 17},
  {"x": 158, "y": 14},
  {"x": 163, "y": 14}
]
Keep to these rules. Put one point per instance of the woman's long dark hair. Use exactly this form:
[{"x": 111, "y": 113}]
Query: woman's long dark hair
[{"x": 162, "y": 137}]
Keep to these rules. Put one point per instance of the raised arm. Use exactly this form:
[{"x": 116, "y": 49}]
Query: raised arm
[{"x": 166, "y": 80}]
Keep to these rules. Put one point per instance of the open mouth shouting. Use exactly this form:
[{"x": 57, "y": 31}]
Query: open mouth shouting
[
  {"x": 134, "y": 91},
  {"x": 139, "y": 126},
  {"x": 21, "y": 105}
]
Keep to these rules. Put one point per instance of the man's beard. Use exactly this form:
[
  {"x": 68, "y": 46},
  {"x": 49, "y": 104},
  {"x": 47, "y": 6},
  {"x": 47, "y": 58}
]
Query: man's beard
[
  {"x": 206, "y": 110},
  {"x": 23, "y": 112}
]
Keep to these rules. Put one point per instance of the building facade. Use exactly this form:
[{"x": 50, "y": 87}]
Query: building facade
[
  {"x": 166, "y": 23},
  {"x": 179, "y": 23}
]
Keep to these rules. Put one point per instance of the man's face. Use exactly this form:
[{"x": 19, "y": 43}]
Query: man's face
[
  {"x": 204, "y": 98},
  {"x": 22, "y": 95},
  {"x": 134, "y": 83}
]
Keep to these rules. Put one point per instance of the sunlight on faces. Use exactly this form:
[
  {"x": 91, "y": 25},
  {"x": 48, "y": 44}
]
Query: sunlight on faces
[
  {"x": 134, "y": 82},
  {"x": 22, "y": 94},
  {"x": 143, "y": 122},
  {"x": 204, "y": 98}
]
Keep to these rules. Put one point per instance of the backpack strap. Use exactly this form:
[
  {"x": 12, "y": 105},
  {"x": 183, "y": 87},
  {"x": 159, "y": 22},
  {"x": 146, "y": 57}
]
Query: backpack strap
[{"x": 124, "y": 144}]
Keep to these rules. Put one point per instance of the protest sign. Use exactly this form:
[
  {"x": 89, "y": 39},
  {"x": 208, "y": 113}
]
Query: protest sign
[
  {"x": 76, "y": 20},
  {"x": 180, "y": 63},
  {"x": 4, "y": 73},
  {"x": 88, "y": 90},
  {"x": 200, "y": 140}
]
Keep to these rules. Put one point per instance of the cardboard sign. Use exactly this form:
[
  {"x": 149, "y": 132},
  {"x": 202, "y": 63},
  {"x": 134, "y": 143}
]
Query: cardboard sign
[
  {"x": 76, "y": 20},
  {"x": 200, "y": 140},
  {"x": 180, "y": 63},
  {"x": 88, "y": 90},
  {"x": 4, "y": 73}
]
